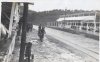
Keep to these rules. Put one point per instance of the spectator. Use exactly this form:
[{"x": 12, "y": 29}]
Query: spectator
[
  {"x": 41, "y": 32},
  {"x": 28, "y": 50}
]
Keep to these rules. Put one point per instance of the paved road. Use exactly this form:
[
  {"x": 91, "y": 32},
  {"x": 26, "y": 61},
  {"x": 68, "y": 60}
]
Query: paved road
[{"x": 86, "y": 45}]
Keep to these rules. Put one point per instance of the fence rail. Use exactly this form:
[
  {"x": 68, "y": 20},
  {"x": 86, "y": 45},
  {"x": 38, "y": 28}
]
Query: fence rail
[{"x": 87, "y": 27}]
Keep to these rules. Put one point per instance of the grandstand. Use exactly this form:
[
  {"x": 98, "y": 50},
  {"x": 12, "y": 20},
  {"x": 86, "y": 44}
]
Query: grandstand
[
  {"x": 10, "y": 15},
  {"x": 87, "y": 22}
]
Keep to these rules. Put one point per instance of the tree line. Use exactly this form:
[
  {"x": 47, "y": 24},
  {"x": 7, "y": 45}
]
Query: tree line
[{"x": 49, "y": 16}]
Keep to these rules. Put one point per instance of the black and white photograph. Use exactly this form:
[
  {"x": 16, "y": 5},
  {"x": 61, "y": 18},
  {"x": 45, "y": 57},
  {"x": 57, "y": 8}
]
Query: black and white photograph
[{"x": 49, "y": 30}]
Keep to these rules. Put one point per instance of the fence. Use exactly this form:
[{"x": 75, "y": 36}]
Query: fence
[
  {"x": 8, "y": 47},
  {"x": 87, "y": 27}
]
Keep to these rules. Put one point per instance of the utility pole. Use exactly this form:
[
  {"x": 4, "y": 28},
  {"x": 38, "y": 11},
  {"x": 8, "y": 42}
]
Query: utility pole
[
  {"x": 65, "y": 13},
  {"x": 0, "y": 19},
  {"x": 64, "y": 22},
  {"x": 23, "y": 36}
]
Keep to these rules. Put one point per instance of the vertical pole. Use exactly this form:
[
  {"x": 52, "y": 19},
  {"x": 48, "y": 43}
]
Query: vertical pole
[
  {"x": 65, "y": 14},
  {"x": 66, "y": 24},
  {"x": 61, "y": 24},
  {"x": 11, "y": 18},
  {"x": 57, "y": 23},
  {"x": 87, "y": 27},
  {"x": 64, "y": 18},
  {"x": 23, "y": 36},
  {"x": 0, "y": 19},
  {"x": 47, "y": 24},
  {"x": 80, "y": 26},
  {"x": 94, "y": 24},
  {"x": 75, "y": 25},
  {"x": 54, "y": 24},
  {"x": 51, "y": 24}
]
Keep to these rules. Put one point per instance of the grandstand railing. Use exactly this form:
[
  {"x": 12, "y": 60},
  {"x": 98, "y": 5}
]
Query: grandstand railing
[{"x": 87, "y": 27}]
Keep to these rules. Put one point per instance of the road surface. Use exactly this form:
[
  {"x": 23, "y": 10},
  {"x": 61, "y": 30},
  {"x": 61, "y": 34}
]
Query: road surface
[
  {"x": 59, "y": 46},
  {"x": 87, "y": 46}
]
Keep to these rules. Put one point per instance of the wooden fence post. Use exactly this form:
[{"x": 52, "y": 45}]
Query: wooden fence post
[
  {"x": 23, "y": 36},
  {"x": 11, "y": 18}
]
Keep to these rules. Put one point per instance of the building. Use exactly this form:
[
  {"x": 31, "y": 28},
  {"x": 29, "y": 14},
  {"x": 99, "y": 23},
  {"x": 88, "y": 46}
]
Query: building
[
  {"x": 87, "y": 22},
  {"x": 10, "y": 18}
]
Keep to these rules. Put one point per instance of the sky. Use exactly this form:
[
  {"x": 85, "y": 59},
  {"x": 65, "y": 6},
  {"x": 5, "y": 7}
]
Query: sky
[{"x": 46, "y": 5}]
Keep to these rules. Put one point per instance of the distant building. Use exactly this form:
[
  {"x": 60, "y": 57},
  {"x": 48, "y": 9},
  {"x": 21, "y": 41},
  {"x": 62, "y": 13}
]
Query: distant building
[
  {"x": 88, "y": 22},
  {"x": 83, "y": 17}
]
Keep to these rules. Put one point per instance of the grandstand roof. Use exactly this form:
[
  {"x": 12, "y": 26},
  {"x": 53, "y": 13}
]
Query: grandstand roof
[{"x": 77, "y": 18}]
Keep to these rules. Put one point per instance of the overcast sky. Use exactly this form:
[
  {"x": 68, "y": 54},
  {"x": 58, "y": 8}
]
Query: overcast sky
[{"x": 43, "y": 5}]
